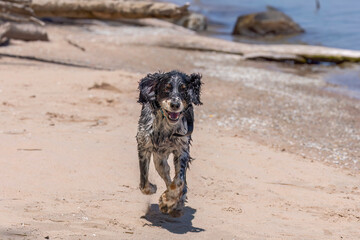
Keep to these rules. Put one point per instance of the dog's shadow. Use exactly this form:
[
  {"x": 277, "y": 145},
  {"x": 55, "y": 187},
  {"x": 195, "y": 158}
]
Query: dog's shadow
[{"x": 179, "y": 225}]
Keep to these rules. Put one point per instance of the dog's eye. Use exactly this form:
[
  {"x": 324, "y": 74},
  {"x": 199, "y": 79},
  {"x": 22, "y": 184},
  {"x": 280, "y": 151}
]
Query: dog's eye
[
  {"x": 182, "y": 87},
  {"x": 168, "y": 87}
]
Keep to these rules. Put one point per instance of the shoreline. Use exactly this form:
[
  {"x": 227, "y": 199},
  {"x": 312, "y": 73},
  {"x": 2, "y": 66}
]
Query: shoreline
[{"x": 296, "y": 129}]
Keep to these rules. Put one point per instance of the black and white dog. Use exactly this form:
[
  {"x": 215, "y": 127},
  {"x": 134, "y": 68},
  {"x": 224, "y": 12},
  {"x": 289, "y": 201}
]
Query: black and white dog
[{"x": 165, "y": 126}]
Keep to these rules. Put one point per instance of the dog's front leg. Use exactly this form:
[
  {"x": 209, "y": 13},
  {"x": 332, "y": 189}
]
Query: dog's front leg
[
  {"x": 162, "y": 167},
  {"x": 144, "y": 159},
  {"x": 173, "y": 199}
]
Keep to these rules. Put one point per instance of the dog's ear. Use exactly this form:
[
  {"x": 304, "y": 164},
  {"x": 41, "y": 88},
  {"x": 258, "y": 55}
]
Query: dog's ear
[
  {"x": 147, "y": 87},
  {"x": 195, "y": 88}
]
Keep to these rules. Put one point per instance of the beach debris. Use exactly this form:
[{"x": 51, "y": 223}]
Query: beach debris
[
  {"x": 107, "y": 9},
  {"x": 268, "y": 56},
  {"x": 98, "y": 123},
  {"x": 154, "y": 22},
  {"x": 266, "y": 24},
  {"x": 29, "y": 149},
  {"x": 194, "y": 21},
  {"x": 74, "y": 44},
  {"x": 105, "y": 86},
  {"x": 233, "y": 210},
  {"x": 15, "y": 132},
  {"x": 18, "y": 21},
  {"x": 278, "y": 52},
  {"x": 23, "y": 31},
  {"x": 18, "y": 11}
]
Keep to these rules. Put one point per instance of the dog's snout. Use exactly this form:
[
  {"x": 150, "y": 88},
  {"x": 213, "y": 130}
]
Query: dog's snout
[{"x": 174, "y": 105}]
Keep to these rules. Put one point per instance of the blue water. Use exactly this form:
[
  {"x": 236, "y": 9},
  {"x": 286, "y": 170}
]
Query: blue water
[
  {"x": 335, "y": 24},
  {"x": 349, "y": 79}
]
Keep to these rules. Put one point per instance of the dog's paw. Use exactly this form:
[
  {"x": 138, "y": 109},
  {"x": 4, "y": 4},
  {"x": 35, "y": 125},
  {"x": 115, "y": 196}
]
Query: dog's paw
[
  {"x": 148, "y": 189},
  {"x": 172, "y": 200}
]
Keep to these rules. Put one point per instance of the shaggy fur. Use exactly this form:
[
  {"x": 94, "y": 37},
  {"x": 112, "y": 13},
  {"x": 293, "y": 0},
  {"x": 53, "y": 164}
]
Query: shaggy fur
[{"x": 165, "y": 127}]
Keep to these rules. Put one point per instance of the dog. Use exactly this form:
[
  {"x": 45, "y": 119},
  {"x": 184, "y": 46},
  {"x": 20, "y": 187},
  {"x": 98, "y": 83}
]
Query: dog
[{"x": 165, "y": 126}]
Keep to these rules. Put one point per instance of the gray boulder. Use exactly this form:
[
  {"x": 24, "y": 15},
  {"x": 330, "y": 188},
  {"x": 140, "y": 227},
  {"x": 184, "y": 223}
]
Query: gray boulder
[{"x": 266, "y": 24}]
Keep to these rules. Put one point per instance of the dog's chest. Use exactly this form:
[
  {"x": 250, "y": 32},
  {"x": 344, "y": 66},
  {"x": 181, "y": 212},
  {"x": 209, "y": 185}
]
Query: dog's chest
[
  {"x": 164, "y": 143},
  {"x": 157, "y": 134}
]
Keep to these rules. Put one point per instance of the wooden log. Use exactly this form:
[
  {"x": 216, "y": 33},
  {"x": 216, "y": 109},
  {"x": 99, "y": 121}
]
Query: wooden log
[
  {"x": 153, "y": 22},
  {"x": 4, "y": 28},
  {"x": 18, "y": 8},
  {"x": 107, "y": 9},
  {"x": 17, "y": 14},
  {"x": 20, "y": 18},
  {"x": 13, "y": 17},
  {"x": 281, "y": 53},
  {"x": 19, "y": 1},
  {"x": 271, "y": 56},
  {"x": 26, "y": 32}
]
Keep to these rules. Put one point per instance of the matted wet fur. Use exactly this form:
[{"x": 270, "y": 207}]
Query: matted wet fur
[{"x": 165, "y": 127}]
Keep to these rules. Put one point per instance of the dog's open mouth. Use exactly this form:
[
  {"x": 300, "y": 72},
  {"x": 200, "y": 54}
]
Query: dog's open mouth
[{"x": 173, "y": 116}]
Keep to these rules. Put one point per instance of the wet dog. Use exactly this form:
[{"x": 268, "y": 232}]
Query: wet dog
[{"x": 165, "y": 126}]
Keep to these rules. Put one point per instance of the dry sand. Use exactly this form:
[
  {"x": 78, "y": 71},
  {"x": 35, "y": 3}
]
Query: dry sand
[{"x": 70, "y": 168}]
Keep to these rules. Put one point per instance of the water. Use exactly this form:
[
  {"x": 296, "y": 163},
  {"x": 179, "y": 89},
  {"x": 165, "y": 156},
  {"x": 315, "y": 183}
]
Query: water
[
  {"x": 348, "y": 79},
  {"x": 335, "y": 24}
]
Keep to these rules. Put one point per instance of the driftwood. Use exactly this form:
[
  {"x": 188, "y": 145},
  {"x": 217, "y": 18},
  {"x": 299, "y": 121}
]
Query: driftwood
[
  {"x": 16, "y": 8},
  {"x": 16, "y": 22},
  {"x": 153, "y": 22},
  {"x": 17, "y": 11},
  {"x": 107, "y": 9},
  {"x": 276, "y": 57},
  {"x": 74, "y": 44},
  {"x": 295, "y": 53},
  {"x": 53, "y": 61},
  {"x": 26, "y": 32}
]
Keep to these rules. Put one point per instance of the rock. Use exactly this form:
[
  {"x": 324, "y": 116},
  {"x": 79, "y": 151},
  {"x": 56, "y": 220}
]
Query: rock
[
  {"x": 193, "y": 21},
  {"x": 265, "y": 24}
]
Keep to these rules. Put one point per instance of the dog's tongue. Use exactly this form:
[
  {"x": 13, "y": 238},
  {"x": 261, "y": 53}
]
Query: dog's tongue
[{"x": 174, "y": 115}]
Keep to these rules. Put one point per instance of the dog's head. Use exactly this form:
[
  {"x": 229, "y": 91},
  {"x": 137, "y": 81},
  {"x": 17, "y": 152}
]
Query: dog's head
[{"x": 173, "y": 92}]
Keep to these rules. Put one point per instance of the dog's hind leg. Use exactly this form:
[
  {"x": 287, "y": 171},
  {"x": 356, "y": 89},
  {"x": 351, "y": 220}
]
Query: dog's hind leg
[
  {"x": 144, "y": 159},
  {"x": 173, "y": 199},
  {"x": 162, "y": 167}
]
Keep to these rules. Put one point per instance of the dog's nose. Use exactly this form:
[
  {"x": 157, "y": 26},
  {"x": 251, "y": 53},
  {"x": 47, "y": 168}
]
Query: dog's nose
[{"x": 174, "y": 105}]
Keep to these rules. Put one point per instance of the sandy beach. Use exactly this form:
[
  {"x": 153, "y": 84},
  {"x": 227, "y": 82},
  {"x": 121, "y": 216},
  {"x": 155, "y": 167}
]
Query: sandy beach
[{"x": 276, "y": 151}]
